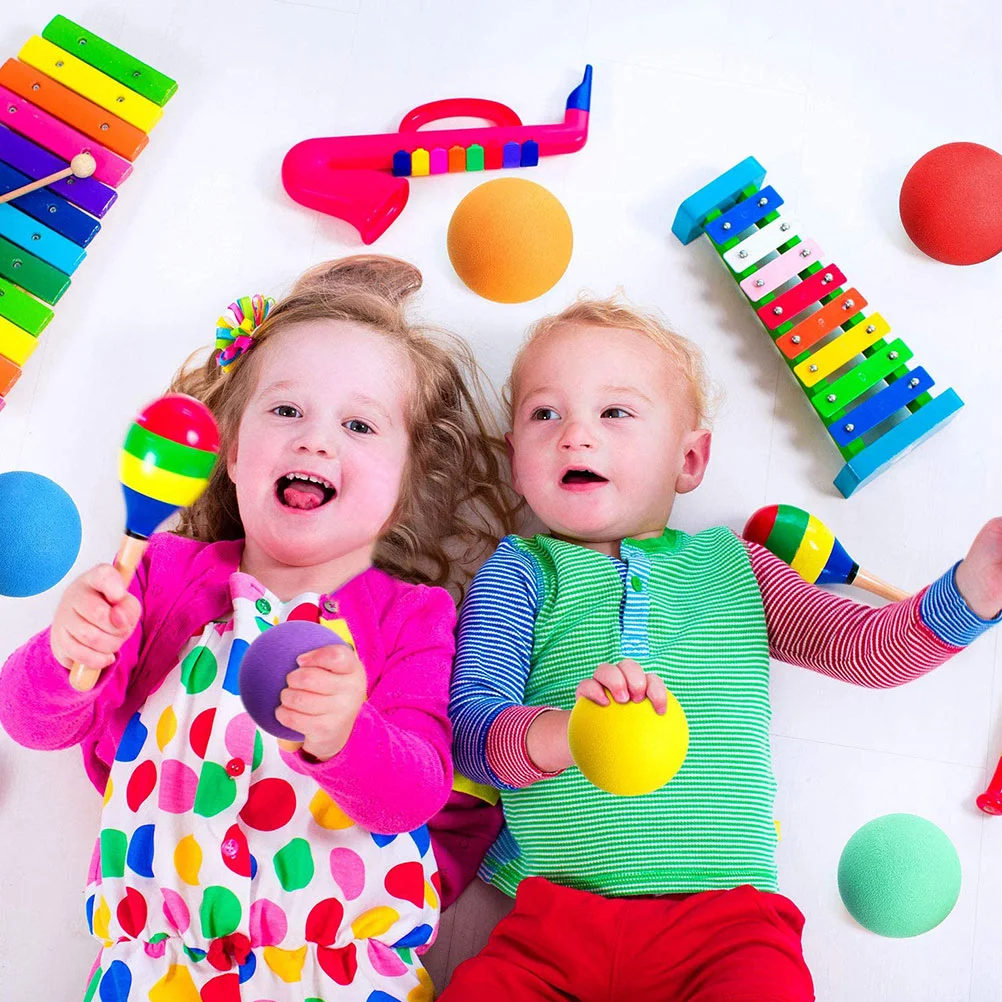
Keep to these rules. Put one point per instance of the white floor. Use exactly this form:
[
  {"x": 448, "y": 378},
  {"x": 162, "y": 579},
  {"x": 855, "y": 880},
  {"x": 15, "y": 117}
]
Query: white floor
[{"x": 836, "y": 101}]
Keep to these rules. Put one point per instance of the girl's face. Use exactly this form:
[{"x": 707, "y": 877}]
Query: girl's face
[{"x": 321, "y": 447}]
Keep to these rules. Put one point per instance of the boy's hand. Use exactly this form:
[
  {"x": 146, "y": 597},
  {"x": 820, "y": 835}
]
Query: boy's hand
[
  {"x": 323, "y": 697},
  {"x": 95, "y": 616},
  {"x": 625, "y": 681},
  {"x": 979, "y": 576}
]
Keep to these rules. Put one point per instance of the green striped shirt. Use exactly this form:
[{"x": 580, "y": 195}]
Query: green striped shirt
[{"x": 691, "y": 610}]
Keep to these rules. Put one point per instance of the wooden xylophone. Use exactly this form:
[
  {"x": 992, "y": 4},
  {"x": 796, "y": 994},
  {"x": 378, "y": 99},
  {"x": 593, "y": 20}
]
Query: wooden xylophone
[
  {"x": 67, "y": 92},
  {"x": 874, "y": 407}
]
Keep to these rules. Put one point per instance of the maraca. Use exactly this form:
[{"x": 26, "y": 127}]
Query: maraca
[
  {"x": 812, "y": 550},
  {"x": 165, "y": 464},
  {"x": 264, "y": 668}
]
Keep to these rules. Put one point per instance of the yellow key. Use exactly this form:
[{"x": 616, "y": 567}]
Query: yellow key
[
  {"x": 15, "y": 343},
  {"x": 90, "y": 83},
  {"x": 843, "y": 349}
]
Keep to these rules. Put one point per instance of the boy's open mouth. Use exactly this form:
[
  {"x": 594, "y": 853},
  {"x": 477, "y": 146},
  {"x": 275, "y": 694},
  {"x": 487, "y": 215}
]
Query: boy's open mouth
[
  {"x": 304, "y": 491},
  {"x": 582, "y": 476}
]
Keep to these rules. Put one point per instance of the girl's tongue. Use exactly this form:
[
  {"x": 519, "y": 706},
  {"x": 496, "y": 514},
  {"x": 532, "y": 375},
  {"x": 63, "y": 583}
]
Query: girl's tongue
[{"x": 303, "y": 494}]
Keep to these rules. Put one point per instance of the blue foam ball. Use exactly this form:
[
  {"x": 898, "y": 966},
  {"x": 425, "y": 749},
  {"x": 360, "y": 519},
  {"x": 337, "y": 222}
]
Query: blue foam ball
[{"x": 39, "y": 533}]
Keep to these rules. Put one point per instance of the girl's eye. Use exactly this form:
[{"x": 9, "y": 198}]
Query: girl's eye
[
  {"x": 359, "y": 427},
  {"x": 286, "y": 410},
  {"x": 615, "y": 412},
  {"x": 544, "y": 414}
]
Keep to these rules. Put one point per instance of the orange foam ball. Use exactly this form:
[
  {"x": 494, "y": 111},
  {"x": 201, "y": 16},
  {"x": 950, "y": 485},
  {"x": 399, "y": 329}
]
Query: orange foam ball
[
  {"x": 951, "y": 203},
  {"x": 510, "y": 240}
]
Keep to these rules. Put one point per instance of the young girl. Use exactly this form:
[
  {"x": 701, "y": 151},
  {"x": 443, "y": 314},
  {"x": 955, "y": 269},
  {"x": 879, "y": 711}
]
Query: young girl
[{"x": 353, "y": 463}]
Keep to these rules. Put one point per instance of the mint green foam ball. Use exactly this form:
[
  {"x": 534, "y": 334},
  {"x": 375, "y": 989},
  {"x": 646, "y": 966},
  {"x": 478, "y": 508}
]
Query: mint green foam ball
[{"x": 899, "y": 875}]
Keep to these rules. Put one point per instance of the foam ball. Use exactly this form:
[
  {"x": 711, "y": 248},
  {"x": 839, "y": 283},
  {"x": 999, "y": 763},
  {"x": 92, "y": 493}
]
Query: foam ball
[
  {"x": 39, "y": 533},
  {"x": 267, "y": 663},
  {"x": 951, "y": 203},
  {"x": 627, "y": 748},
  {"x": 510, "y": 240},
  {"x": 899, "y": 875}
]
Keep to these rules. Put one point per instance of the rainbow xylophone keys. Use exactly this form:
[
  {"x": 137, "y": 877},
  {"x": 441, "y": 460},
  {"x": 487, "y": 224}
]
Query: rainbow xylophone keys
[
  {"x": 67, "y": 92},
  {"x": 874, "y": 407}
]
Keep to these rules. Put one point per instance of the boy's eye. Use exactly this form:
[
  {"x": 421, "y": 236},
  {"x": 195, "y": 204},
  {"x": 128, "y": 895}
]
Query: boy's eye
[
  {"x": 615, "y": 412},
  {"x": 286, "y": 410},
  {"x": 544, "y": 414},
  {"x": 359, "y": 427}
]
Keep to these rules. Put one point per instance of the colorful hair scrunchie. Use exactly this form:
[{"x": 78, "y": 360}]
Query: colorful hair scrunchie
[{"x": 235, "y": 328}]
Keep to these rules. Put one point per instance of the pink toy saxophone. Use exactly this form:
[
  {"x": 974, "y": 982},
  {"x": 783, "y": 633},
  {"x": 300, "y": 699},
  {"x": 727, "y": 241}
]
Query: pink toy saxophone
[{"x": 363, "y": 179}]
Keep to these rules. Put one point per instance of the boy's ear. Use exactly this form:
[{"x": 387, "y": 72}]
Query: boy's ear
[
  {"x": 511, "y": 461},
  {"x": 695, "y": 459}
]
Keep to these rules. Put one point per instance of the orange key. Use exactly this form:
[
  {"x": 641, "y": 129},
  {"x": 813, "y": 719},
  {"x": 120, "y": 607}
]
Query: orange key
[
  {"x": 9, "y": 375},
  {"x": 812, "y": 329},
  {"x": 76, "y": 111}
]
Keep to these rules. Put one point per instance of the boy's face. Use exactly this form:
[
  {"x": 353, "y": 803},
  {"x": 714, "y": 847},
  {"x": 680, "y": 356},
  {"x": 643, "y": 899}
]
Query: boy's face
[{"x": 604, "y": 435}]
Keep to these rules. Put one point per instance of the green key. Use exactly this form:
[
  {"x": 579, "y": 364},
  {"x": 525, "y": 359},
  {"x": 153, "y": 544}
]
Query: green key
[
  {"x": 110, "y": 59},
  {"x": 860, "y": 378},
  {"x": 32, "y": 274},
  {"x": 23, "y": 310}
]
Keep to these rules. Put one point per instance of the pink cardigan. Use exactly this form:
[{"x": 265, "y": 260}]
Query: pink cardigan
[{"x": 394, "y": 773}]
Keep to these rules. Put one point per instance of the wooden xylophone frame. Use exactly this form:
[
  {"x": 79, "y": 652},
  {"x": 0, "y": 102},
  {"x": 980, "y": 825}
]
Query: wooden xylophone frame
[
  {"x": 874, "y": 408},
  {"x": 68, "y": 92}
]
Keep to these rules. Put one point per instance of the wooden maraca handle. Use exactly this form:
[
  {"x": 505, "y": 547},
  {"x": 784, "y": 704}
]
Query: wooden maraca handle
[
  {"x": 82, "y": 165},
  {"x": 872, "y": 584},
  {"x": 84, "y": 679}
]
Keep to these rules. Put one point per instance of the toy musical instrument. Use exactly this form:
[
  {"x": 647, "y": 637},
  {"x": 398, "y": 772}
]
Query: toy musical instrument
[
  {"x": 991, "y": 800},
  {"x": 873, "y": 406},
  {"x": 363, "y": 179},
  {"x": 68, "y": 98},
  {"x": 811, "y": 549},
  {"x": 165, "y": 464}
]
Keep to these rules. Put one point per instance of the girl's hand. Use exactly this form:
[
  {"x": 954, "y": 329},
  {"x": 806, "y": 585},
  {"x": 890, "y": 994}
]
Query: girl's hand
[
  {"x": 322, "y": 698},
  {"x": 95, "y": 616},
  {"x": 625, "y": 681},
  {"x": 979, "y": 576}
]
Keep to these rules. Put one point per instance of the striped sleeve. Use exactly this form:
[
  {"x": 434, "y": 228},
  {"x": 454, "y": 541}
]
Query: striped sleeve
[
  {"x": 492, "y": 664},
  {"x": 873, "y": 647}
]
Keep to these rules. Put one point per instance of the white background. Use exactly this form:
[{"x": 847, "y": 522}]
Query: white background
[{"x": 836, "y": 101}]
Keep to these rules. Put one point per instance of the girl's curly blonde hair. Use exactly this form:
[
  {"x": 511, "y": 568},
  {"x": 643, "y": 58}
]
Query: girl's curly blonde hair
[{"x": 455, "y": 499}]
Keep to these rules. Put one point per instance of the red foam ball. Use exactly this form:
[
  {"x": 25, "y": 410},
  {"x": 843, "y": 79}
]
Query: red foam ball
[{"x": 951, "y": 203}]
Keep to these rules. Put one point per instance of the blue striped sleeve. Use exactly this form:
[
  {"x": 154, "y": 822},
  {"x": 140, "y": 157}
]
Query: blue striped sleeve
[
  {"x": 492, "y": 654},
  {"x": 946, "y": 613}
]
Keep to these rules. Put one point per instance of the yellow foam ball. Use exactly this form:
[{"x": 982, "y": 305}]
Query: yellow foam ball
[
  {"x": 627, "y": 748},
  {"x": 510, "y": 240}
]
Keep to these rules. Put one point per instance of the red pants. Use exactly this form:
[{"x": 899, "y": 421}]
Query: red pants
[{"x": 558, "y": 944}]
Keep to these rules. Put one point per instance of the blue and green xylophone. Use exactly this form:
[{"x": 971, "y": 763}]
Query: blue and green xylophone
[{"x": 874, "y": 407}]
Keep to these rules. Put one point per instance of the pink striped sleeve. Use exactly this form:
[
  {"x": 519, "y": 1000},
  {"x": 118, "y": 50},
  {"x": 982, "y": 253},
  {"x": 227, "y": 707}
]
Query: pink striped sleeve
[
  {"x": 507, "y": 753},
  {"x": 873, "y": 647}
]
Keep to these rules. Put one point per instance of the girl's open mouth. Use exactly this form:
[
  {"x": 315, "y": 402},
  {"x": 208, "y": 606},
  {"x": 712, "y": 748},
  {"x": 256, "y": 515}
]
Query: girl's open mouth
[{"x": 304, "y": 491}]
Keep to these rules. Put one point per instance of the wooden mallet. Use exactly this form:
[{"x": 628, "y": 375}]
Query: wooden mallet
[{"x": 82, "y": 165}]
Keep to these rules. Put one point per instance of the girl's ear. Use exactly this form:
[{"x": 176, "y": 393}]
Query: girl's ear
[
  {"x": 511, "y": 462},
  {"x": 231, "y": 461},
  {"x": 695, "y": 459}
]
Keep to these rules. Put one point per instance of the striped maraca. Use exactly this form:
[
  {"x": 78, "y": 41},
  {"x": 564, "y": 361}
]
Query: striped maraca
[
  {"x": 811, "y": 549},
  {"x": 166, "y": 462}
]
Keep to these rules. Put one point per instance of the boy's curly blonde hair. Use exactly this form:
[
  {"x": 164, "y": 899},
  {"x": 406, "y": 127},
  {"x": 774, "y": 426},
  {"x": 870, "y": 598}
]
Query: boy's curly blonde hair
[
  {"x": 617, "y": 313},
  {"x": 455, "y": 500}
]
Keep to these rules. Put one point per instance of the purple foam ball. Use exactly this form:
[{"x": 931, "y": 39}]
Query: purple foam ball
[{"x": 267, "y": 663}]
